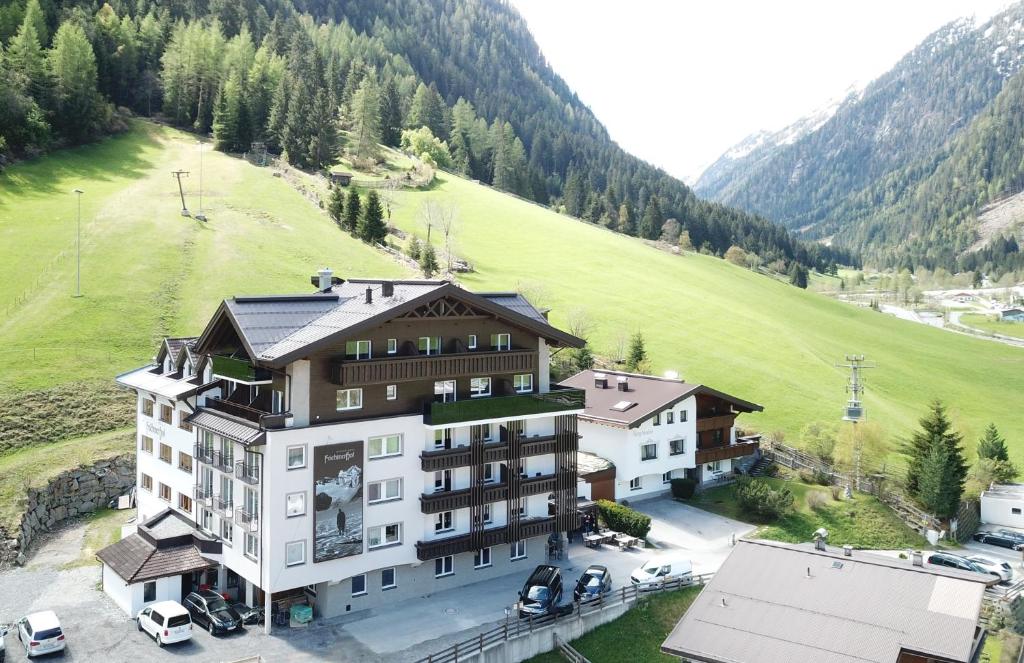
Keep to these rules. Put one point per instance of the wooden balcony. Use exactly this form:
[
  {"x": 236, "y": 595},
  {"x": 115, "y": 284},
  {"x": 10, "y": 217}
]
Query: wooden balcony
[
  {"x": 726, "y": 452},
  {"x": 713, "y": 423},
  {"x": 263, "y": 419},
  {"x": 453, "y": 545},
  {"x": 450, "y": 500},
  {"x": 494, "y": 452},
  {"x": 391, "y": 370}
]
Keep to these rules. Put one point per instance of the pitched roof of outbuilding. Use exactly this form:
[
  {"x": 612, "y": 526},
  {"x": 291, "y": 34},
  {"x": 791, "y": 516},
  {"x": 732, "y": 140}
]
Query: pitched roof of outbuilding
[
  {"x": 775, "y": 603},
  {"x": 138, "y": 558}
]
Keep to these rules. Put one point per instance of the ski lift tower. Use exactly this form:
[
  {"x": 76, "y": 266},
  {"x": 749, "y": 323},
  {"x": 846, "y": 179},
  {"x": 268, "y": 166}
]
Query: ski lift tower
[
  {"x": 181, "y": 192},
  {"x": 854, "y": 410}
]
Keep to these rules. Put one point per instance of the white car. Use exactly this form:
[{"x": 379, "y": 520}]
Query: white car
[
  {"x": 1001, "y": 570},
  {"x": 167, "y": 622},
  {"x": 40, "y": 633},
  {"x": 655, "y": 571}
]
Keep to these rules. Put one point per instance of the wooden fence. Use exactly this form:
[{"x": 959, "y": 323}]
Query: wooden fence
[
  {"x": 514, "y": 628},
  {"x": 568, "y": 652}
]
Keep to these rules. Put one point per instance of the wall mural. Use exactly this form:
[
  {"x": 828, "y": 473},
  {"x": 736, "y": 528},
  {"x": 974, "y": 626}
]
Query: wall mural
[{"x": 338, "y": 497}]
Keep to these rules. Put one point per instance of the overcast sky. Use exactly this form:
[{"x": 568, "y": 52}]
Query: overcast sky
[{"x": 679, "y": 82}]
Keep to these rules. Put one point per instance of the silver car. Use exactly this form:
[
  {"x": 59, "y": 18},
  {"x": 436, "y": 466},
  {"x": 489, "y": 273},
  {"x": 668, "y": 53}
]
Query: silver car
[{"x": 1001, "y": 570}]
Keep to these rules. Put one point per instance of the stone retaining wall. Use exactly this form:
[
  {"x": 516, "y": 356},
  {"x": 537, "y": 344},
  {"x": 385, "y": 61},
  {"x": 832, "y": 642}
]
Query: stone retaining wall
[{"x": 71, "y": 494}]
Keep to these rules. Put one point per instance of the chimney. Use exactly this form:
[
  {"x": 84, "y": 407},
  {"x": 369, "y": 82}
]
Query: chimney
[
  {"x": 325, "y": 275},
  {"x": 600, "y": 381},
  {"x": 848, "y": 550},
  {"x": 819, "y": 544},
  {"x": 820, "y": 538},
  {"x": 369, "y": 295},
  {"x": 387, "y": 289},
  {"x": 622, "y": 382},
  {"x": 917, "y": 558}
]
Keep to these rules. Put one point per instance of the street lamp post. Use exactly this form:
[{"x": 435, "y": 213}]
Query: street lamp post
[{"x": 78, "y": 268}]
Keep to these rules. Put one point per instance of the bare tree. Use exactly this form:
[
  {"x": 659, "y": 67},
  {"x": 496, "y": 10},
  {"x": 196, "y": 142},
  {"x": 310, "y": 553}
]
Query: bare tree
[
  {"x": 536, "y": 293},
  {"x": 443, "y": 217},
  {"x": 621, "y": 338},
  {"x": 579, "y": 323},
  {"x": 388, "y": 195}
]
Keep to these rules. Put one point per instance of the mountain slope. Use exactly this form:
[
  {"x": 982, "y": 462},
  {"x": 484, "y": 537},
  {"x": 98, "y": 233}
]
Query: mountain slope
[{"x": 903, "y": 120}]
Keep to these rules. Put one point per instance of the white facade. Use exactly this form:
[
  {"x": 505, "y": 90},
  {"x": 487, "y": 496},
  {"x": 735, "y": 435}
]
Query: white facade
[
  {"x": 151, "y": 434},
  {"x": 1003, "y": 505},
  {"x": 131, "y": 598}
]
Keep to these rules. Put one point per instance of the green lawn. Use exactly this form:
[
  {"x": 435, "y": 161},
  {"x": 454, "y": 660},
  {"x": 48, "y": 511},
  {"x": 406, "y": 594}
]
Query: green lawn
[
  {"x": 862, "y": 522},
  {"x": 34, "y": 466},
  {"x": 636, "y": 635},
  {"x": 992, "y": 324}
]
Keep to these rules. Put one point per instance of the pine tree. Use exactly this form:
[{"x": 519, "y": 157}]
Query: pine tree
[
  {"x": 353, "y": 206},
  {"x": 685, "y": 244},
  {"x": 27, "y": 62},
  {"x": 798, "y": 275},
  {"x": 371, "y": 225},
  {"x": 625, "y": 220},
  {"x": 933, "y": 485},
  {"x": 427, "y": 110},
  {"x": 73, "y": 67},
  {"x": 637, "y": 355},
  {"x": 230, "y": 120},
  {"x": 936, "y": 430},
  {"x": 365, "y": 115},
  {"x": 336, "y": 206},
  {"x": 992, "y": 445},
  {"x": 583, "y": 358},
  {"x": 414, "y": 249},
  {"x": 428, "y": 260},
  {"x": 390, "y": 115},
  {"x": 35, "y": 17},
  {"x": 324, "y": 131},
  {"x": 650, "y": 225}
]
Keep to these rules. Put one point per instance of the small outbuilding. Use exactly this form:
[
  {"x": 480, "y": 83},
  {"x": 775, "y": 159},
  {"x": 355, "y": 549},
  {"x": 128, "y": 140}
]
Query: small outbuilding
[
  {"x": 340, "y": 178},
  {"x": 1012, "y": 315},
  {"x": 1003, "y": 504},
  {"x": 156, "y": 563}
]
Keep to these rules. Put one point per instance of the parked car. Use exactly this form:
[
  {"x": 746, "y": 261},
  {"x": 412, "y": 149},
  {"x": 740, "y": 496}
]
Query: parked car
[
  {"x": 655, "y": 571},
  {"x": 1019, "y": 536},
  {"x": 40, "y": 633},
  {"x": 1001, "y": 570},
  {"x": 166, "y": 622},
  {"x": 595, "y": 581},
  {"x": 250, "y": 616},
  {"x": 1000, "y": 539},
  {"x": 3, "y": 650},
  {"x": 542, "y": 591},
  {"x": 954, "y": 562},
  {"x": 209, "y": 610}
]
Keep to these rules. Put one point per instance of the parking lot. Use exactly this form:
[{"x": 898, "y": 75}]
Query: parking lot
[{"x": 98, "y": 631}]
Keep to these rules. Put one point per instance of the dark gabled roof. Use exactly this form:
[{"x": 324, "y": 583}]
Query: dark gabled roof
[
  {"x": 141, "y": 556},
  {"x": 647, "y": 394},
  {"x": 278, "y": 329},
  {"x": 173, "y": 346}
]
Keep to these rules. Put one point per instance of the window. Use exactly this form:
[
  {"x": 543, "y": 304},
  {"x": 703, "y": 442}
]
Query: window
[
  {"x": 165, "y": 492},
  {"x": 670, "y": 417},
  {"x": 184, "y": 462},
  {"x": 147, "y": 482},
  {"x": 444, "y": 391},
  {"x": 294, "y": 504},
  {"x": 392, "y": 392},
  {"x": 667, "y": 477},
  {"x": 648, "y": 451},
  {"x": 715, "y": 466},
  {"x": 294, "y": 553},
  {"x": 252, "y": 546},
  {"x": 443, "y": 522},
  {"x": 227, "y": 532},
  {"x": 442, "y": 480},
  {"x": 184, "y": 502},
  {"x": 491, "y": 472},
  {"x": 383, "y": 491},
  {"x": 523, "y": 384},
  {"x": 146, "y": 444},
  {"x": 482, "y": 558},
  {"x": 486, "y": 513},
  {"x": 149, "y": 592},
  {"x": 166, "y": 413},
  {"x": 385, "y": 445},
  {"x": 522, "y": 509},
  {"x": 682, "y": 416},
  {"x": 635, "y": 484},
  {"x": 388, "y": 579},
  {"x": 676, "y": 447},
  {"x": 485, "y": 432},
  {"x": 350, "y": 399},
  {"x": 206, "y": 519},
  {"x": 1015, "y": 511},
  {"x": 430, "y": 345},
  {"x": 296, "y": 457},
  {"x": 276, "y": 401},
  {"x": 443, "y": 438},
  {"x": 384, "y": 535},
  {"x": 357, "y": 349},
  {"x": 227, "y": 452},
  {"x": 444, "y": 566},
  {"x": 501, "y": 341},
  {"x": 147, "y": 407},
  {"x": 165, "y": 453},
  {"x": 184, "y": 425},
  {"x": 359, "y": 585},
  {"x": 518, "y": 550},
  {"x": 657, "y": 419},
  {"x": 471, "y": 344},
  {"x": 392, "y": 346},
  {"x": 716, "y": 437},
  {"x": 227, "y": 492},
  {"x": 479, "y": 387}
]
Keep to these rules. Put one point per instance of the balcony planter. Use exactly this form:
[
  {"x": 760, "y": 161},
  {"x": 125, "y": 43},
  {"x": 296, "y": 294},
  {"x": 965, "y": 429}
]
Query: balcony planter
[
  {"x": 239, "y": 370},
  {"x": 504, "y": 407}
]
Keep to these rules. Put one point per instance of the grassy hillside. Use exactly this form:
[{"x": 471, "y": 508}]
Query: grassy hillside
[
  {"x": 992, "y": 324},
  {"x": 713, "y": 322},
  {"x": 148, "y": 271}
]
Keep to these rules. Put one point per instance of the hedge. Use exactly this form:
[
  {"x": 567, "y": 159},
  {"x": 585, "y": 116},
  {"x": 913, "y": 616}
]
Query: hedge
[
  {"x": 623, "y": 519},
  {"x": 683, "y": 488}
]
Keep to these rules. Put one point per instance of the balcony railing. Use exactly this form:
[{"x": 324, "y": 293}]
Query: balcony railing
[
  {"x": 453, "y": 545},
  {"x": 269, "y": 420},
  {"x": 247, "y": 519},
  {"x": 202, "y": 454},
  {"x": 203, "y": 495},
  {"x": 247, "y": 472},
  {"x": 503, "y": 407},
  {"x": 239, "y": 370},
  {"x": 222, "y": 462},
  {"x": 389, "y": 370},
  {"x": 713, "y": 423},
  {"x": 450, "y": 500},
  {"x": 726, "y": 452},
  {"x": 494, "y": 452},
  {"x": 224, "y": 506}
]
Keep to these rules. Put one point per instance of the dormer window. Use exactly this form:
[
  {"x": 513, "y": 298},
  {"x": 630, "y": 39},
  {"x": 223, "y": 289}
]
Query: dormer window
[
  {"x": 430, "y": 345},
  {"x": 357, "y": 349},
  {"x": 501, "y": 342}
]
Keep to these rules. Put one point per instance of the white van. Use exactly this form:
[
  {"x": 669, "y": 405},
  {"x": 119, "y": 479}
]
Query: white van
[
  {"x": 660, "y": 570},
  {"x": 167, "y": 622}
]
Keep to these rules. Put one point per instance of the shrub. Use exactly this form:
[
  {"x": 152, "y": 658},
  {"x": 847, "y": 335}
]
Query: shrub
[
  {"x": 757, "y": 498},
  {"x": 683, "y": 488},
  {"x": 621, "y": 518},
  {"x": 806, "y": 476},
  {"x": 837, "y": 493},
  {"x": 816, "y": 499}
]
